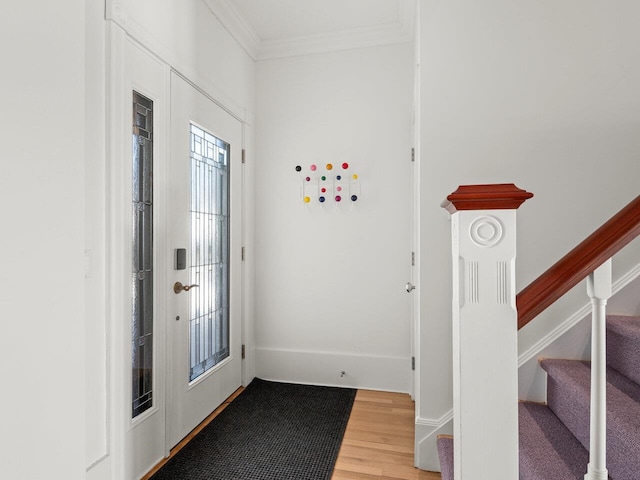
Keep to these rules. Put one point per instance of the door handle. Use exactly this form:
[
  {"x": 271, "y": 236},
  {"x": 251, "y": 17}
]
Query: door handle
[
  {"x": 179, "y": 287},
  {"x": 410, "y": 287}
]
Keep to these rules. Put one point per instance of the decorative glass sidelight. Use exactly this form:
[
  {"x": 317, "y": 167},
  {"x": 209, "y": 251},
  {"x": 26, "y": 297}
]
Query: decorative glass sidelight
[
  {"x": 209, "y": 259},
  {"x": 142, "y": 256}
]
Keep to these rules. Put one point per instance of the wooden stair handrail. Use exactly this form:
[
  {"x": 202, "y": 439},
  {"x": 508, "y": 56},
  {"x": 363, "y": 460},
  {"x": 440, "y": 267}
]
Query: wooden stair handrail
[{"x": 576, "y": 265}]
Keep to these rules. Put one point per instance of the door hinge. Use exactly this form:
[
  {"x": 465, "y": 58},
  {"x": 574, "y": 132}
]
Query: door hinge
[
  {"x": 413, "y": 259},
  {"x": 413, "y": 154},
  {"x": 413, "y": 363},
  {"x": 244, "y": 155},
  {"x": 243, "y": 352},
  {"x": 243, "y": 253}
]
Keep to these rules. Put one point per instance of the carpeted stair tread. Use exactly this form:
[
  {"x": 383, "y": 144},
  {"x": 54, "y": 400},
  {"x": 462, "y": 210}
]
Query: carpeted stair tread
[
  {"x": 554, "y": 438},
  {"x": 623, "y": 345},
  {"x": 445, "y": 454},
  {"x": 568, "y": 396},
  {"x": 548, "y": 450}
]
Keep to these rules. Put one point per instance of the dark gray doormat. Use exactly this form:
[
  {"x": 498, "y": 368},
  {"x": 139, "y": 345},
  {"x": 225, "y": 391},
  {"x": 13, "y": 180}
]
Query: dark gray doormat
[{"x": 271, "y": 431}]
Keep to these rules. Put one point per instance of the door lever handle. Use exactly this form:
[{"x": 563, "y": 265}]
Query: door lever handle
[{"x": 179, "y": 287}]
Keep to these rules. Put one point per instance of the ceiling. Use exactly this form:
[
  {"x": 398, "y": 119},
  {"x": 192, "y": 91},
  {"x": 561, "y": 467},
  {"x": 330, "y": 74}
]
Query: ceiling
[{"x": 281, "y": 28}]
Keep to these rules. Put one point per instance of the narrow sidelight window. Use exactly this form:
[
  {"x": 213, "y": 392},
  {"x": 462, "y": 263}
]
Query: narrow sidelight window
[{"x": 142, "y": 249}]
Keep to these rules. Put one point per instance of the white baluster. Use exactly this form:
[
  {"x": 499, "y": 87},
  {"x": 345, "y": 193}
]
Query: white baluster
[{"x": 599, "y": 289}]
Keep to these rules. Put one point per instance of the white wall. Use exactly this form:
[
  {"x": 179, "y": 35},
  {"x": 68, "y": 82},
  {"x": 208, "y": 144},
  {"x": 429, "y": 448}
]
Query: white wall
[
  {"x": 542, "y": 94},
  {"x": 330, "y": 278},
  {"x": 42, "y": 125}
]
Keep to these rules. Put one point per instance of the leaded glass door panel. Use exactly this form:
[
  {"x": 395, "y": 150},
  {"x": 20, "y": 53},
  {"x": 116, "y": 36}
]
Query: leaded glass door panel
[
  {"x": 205, "y": 221},
  {"x": 209, "y": 251}
]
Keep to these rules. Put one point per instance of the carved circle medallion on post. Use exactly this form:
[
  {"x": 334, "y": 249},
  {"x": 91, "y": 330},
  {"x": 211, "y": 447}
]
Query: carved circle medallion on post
[{"x": 486, "y": 231}]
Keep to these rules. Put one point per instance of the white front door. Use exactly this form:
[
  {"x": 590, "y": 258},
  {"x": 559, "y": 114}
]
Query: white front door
[{"x": 205, "y": 229}]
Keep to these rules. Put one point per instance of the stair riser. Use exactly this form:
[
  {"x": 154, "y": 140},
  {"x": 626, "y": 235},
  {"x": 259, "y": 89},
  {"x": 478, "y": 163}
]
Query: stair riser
[
  {"x": 571, "y": 407},
  {"x": 548, "y": 450},
  {"x": 623, "y": 354},
  {"x": 445, "y": 455},
  {"x": 569, "y": 400}
]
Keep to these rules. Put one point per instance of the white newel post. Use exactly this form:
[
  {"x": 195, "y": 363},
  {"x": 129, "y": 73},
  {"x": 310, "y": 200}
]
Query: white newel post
[
  {"x": 485, "y": 327},
  {"x": 599, "y": 290}
]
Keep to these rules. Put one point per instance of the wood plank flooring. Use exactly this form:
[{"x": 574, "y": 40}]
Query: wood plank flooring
[{"x": 378, "y": 442}]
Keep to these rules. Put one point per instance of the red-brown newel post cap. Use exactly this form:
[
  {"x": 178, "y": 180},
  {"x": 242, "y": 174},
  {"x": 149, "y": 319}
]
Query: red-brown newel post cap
[{"x": 502, "y": 196}]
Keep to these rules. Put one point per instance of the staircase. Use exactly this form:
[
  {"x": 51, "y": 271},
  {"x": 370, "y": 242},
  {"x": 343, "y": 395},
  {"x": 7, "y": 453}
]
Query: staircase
[{"x": 554, "y": 438}]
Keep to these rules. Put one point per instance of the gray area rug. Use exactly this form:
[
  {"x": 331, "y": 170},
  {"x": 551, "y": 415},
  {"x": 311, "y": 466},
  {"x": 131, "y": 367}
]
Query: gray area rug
[{"x": 272, "y": 431}]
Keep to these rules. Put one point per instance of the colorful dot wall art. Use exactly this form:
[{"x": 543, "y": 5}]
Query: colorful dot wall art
[{"x": 327, "y": 184}]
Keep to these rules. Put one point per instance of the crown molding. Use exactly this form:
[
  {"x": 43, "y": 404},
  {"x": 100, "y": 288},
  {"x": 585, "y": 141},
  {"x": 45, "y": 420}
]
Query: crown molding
[
  {"x": 333, "y": 42},
  {"x": 237, "y": 25},
  {"x": 399, "y": 31}
]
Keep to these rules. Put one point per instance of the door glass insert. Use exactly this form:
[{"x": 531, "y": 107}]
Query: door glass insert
[
  {"x": 209, "y": 259},
  {"x": 142, "y": 255}
]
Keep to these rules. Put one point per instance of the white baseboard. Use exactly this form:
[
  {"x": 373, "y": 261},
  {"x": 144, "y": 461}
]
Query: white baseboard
[
  {"x": 392, "y": 374},
  {"x": 100, "y": 470},
  {"x": 426, "y": 454}
]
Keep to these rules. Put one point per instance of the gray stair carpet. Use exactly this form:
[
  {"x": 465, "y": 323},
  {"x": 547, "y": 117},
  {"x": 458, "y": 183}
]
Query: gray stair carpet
[
  {"x": 568, "y": 395},
  {"x": 623, "y": 346},
  {"x": 554, "y": 438},
  {"x": 445, "y": 454},
  {"x": 548, "y": 450}
]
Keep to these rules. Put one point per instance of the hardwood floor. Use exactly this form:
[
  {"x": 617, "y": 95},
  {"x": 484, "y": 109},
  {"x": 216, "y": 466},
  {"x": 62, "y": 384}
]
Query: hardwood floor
[{"x": 378, "y": 442}]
